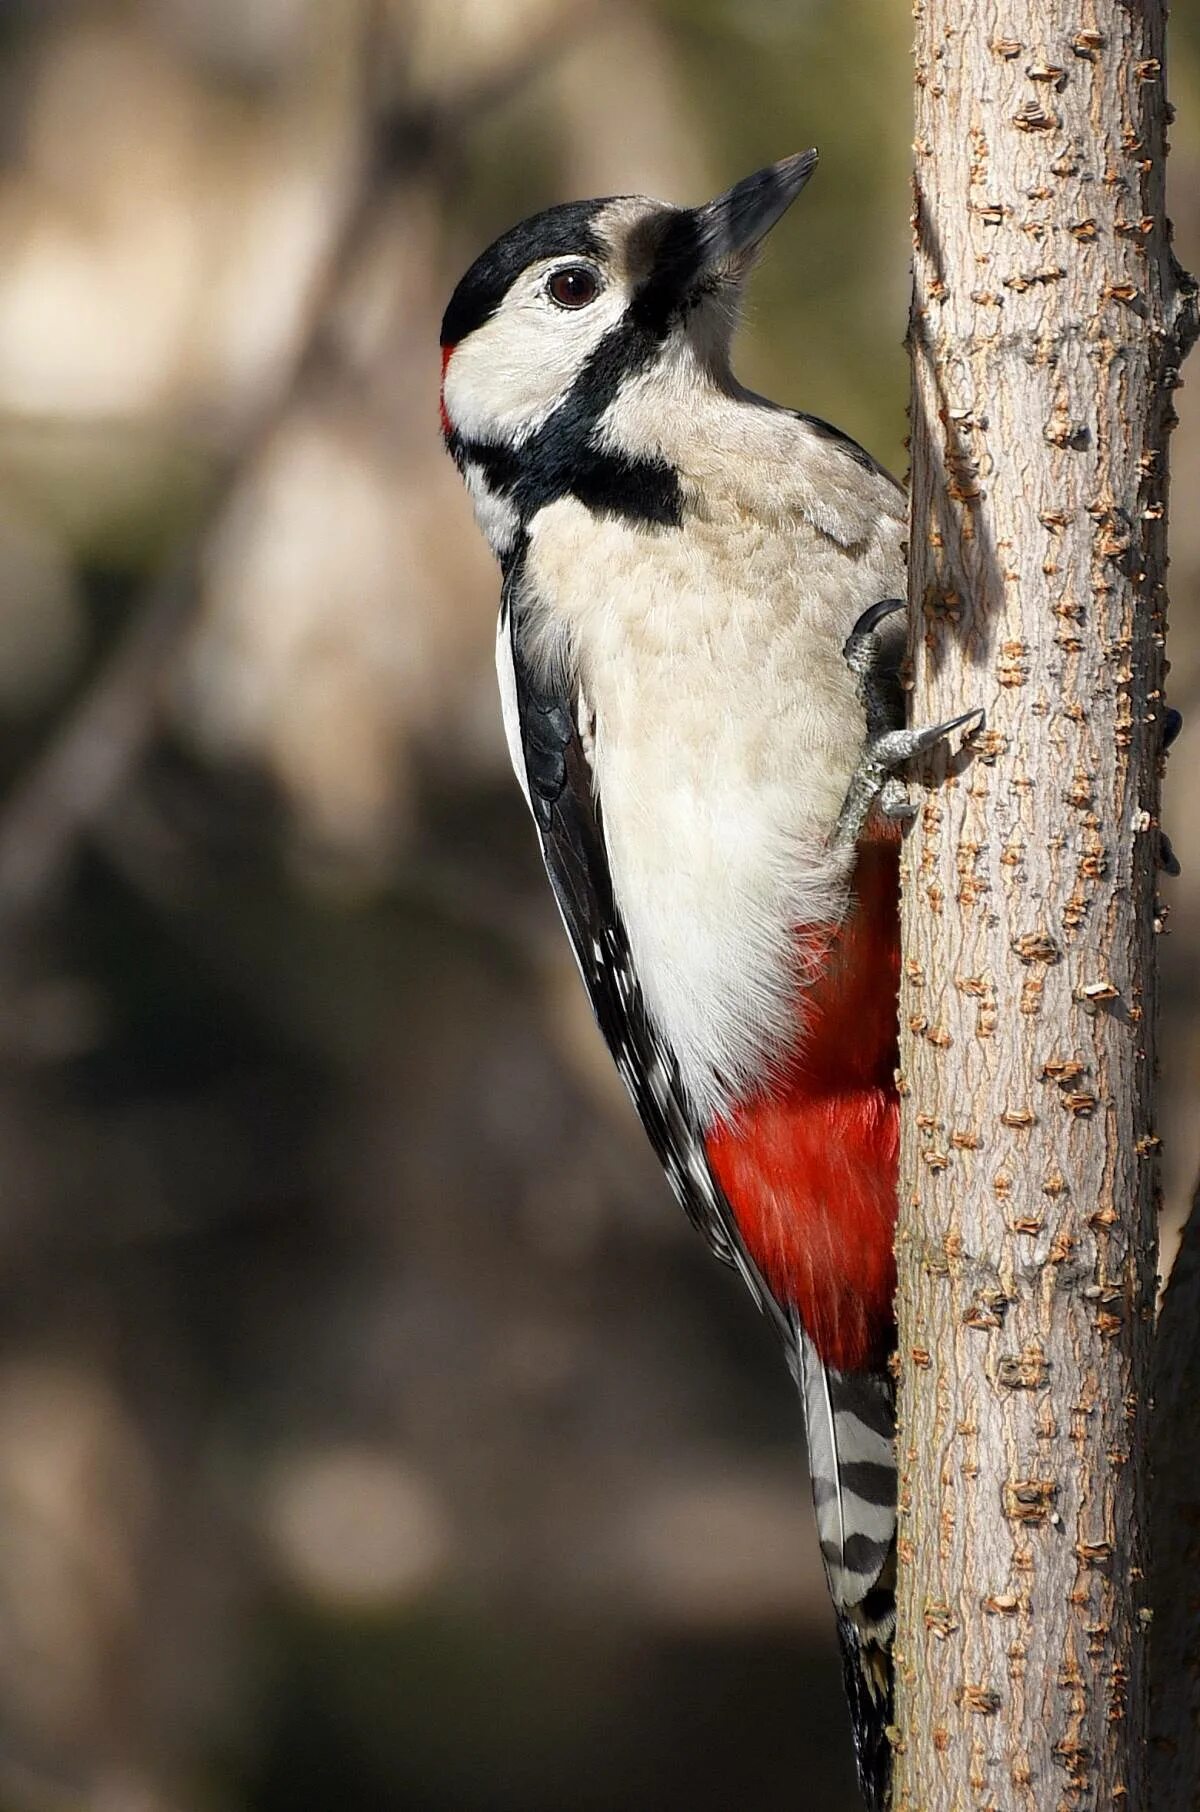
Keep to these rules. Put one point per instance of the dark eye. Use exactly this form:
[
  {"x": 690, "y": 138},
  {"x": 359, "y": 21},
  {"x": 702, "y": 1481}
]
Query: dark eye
[{"x": 574, "y": 287}]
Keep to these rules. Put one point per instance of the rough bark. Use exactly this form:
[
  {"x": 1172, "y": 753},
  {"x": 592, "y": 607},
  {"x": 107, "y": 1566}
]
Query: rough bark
[{"x": 1048, "y": 324}]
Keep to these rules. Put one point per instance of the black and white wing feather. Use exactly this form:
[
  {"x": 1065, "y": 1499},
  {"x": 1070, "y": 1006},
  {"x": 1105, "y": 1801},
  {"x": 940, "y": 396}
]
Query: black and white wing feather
[{"x": 547, "y": 722}]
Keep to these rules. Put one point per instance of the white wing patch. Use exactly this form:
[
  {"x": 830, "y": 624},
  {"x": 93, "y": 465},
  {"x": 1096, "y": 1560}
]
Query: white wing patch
[{"x": 509, "y": 711}]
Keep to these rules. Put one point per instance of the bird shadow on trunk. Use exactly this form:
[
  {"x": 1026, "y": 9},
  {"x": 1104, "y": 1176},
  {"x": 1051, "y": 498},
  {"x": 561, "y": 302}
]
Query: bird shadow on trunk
[{"x": 946, "y": 493}]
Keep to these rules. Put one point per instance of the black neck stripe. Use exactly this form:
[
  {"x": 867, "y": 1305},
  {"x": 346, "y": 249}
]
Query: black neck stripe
[{"x": 562, "y": 458}]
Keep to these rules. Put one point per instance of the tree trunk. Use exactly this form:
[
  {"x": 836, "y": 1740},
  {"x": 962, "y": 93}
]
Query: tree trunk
[{"x": 1048, "y": 324}]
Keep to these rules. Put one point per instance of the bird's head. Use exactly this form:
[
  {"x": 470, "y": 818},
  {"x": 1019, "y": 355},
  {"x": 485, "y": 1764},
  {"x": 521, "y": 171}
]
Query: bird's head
[{"x": 554, "y": 322}]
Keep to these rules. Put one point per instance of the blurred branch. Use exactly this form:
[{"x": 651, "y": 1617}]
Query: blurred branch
[
  {"x": 1175, "y": 1531},
  {"x": 90, "y": 757},
  {"x": 144, "y": 843}
]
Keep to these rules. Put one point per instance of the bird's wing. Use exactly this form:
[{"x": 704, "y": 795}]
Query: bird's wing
[{"x": 547, "y": 723}]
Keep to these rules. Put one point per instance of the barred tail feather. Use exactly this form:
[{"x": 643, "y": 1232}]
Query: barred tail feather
[
  {"x": 850, "y": 1420},
  {"x": 850, "y": 1423}
]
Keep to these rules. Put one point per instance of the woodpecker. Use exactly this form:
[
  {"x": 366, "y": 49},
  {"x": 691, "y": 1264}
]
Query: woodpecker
[{"x": 698, "y": 651}]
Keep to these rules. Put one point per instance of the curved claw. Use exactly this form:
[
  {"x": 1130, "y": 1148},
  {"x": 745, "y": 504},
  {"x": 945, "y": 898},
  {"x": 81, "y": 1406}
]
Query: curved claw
[
  {"x": 901, "y": 746},
  {"x": 953, "y": 723},
  {"x": 875, "y": 776},
  {"x": 868, "y": 623}
]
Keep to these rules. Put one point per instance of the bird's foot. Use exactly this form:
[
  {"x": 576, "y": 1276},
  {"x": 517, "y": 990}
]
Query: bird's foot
[
  {"x": 873, "y": 656},
  {"x": 876, "y": 783}
]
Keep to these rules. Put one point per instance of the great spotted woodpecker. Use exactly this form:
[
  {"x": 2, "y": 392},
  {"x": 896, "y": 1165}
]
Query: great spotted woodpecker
[{"x": 698, "y": 655}]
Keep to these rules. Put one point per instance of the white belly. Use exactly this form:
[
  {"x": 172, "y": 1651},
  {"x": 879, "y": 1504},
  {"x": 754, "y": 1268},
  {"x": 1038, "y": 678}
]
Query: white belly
[{"x": 727, "y": 727}]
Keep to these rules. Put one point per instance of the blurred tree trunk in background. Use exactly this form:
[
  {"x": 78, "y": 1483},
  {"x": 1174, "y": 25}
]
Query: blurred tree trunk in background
[
  {"x": 1175, "y": 1534},
  {"x": 1049, "y": 322}
]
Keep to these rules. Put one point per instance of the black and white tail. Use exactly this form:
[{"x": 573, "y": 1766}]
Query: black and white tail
[{"x": 850, "y": 1419}]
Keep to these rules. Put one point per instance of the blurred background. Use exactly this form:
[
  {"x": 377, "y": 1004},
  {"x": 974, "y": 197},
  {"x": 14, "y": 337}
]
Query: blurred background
[{"x": 373, "y": 1431}]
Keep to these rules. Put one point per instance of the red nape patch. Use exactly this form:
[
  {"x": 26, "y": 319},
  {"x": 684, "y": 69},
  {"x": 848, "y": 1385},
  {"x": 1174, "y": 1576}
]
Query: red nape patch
[
  {"x": 447, "y": 429},
  {"x": 810, "y": 1168}
]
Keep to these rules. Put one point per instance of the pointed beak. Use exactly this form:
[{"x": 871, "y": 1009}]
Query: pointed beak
[
  {"x": 736, "y": 221},
  {"x": 699, "y": 242}
]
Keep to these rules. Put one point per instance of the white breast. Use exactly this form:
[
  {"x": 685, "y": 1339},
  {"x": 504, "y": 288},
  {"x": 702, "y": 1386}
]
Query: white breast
[{"x": 727, "y": 728}]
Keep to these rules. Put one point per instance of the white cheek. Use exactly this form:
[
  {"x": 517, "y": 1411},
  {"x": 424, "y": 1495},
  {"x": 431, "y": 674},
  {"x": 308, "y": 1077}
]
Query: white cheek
[{"x": 510, "y": 374}]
